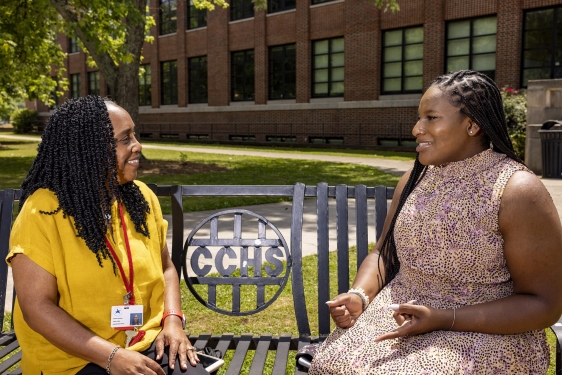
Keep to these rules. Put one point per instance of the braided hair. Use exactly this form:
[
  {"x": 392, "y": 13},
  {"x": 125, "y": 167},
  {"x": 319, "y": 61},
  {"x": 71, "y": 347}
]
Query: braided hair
[
  {"x": 478, "y": 97},
  {"x": 76, "y": 160}
]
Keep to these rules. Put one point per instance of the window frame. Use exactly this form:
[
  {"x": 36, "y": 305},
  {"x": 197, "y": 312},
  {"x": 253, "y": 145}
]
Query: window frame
[
  {"x": 73, "y": 45},
  {"x": 330, "y": 68},
  {"x": 165, "y": 28},
  {"x": 194, "y": 79},
  {"x": 246, "y": 7},
  {"x": 470, "y": 44},
  {"x": 402, "y": 61},
  {"x": 557, "y": 12},
  {"x": 246, "y": 77},
  {"x": 145, "y": 98},
  {"x": 200, "y": 15},
  {"x": 75, "y": 86},
  {"x": 173, "y": 96},
  {"x": 96, "y": 83},
  {"x": 281, "y": 7},
  {"x": 283, "y": 72}
]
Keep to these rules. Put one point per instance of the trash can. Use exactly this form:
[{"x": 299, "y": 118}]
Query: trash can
[{"x": 551, "y": 144}]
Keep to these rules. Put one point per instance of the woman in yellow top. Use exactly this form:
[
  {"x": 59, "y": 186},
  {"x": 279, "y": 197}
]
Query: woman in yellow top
[{"x": 88, "y": 253}]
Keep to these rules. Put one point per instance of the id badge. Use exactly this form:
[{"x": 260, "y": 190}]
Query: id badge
[{"x": 126, "y": 317}]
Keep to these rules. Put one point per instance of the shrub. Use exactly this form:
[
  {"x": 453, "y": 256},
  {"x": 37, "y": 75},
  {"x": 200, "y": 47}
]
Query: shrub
[
  {"x": 515, "y": 107},
  {"x": 25, "y": 120}
]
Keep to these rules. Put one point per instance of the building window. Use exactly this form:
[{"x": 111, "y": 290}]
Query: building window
[
  {"x": 196, "y": 17},
  {"x": 145, "y": 86},
  {"x": 168, "y": 16},
  {"x": 471, "y": 44},
  {"x": 320, "y": 1},
  {"x": 282, "y": 72},
  {"x": 327, "y": 68},
  {"x": 73, "y": 45},
  {"x": 75, "y": 85},
  {"x": 197, "y": 79},
  {"x": 240, "y": 9},
  {"x": 169, "y": 82},
  {"x": 93, "y": 83},
  {"x": 274, "y": 6},
  {"x": 242, "y": 68},
  {"x": 542, "y": 45},
  {"x": 402, "y": 68}
]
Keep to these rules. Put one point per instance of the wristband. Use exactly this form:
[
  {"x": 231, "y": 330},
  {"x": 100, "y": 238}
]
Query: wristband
[
  {"x": 176, "y": 313},
  {"x": 361, "y": 293}
]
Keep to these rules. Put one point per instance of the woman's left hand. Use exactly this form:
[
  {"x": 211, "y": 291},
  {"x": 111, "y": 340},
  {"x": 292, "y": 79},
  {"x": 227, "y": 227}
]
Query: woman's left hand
[
  {"x": 173, "y": 336},
  {"x": 416, "y": 319}
]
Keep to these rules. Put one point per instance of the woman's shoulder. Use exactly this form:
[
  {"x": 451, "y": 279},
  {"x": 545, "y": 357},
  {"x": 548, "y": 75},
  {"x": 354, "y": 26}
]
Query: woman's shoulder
[
  {"x": 146, "y": 191},
  {"x": 42, "y": 199}
]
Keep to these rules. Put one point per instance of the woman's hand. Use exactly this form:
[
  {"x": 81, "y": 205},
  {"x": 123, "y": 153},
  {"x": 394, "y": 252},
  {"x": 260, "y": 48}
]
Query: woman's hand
[
  {"x": 173, "y": 336},
  {"x": 128, "y": 362},
  {"x": 345, "y": 309},
  {"x": 416, "y": 319}
]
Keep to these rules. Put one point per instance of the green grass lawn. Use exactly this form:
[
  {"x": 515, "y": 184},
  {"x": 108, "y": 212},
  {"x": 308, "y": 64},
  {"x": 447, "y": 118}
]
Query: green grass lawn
[{"x": 211, "y": 169}]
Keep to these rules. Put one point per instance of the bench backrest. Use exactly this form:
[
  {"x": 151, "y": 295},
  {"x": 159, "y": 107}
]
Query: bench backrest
[
  {"x": 188, "y": 250},
  {"x": 283, "y": 257}
]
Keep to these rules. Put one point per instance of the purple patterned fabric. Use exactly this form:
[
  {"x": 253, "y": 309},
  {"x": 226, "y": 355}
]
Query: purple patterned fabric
[{"x": 451, "y": 254}]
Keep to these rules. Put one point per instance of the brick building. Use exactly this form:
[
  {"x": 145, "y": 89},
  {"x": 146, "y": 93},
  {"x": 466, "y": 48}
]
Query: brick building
[{"x": 338, "y": 72}]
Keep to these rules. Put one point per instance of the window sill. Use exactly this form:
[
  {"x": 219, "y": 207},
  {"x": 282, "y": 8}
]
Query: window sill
[
  {"x": 281, "y": 12},
  {"x": 241, "y": 20},
  {"x": 196, "y": 29},
  {"x": 167, "y": 35},
  {"x": 326, "y": 3}
]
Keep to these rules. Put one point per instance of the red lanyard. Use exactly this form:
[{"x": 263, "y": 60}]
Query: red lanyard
[{"x": 128, "y": 285}]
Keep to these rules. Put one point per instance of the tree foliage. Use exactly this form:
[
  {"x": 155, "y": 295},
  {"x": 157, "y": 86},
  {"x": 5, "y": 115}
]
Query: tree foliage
[{"x": 28, "y": 49}]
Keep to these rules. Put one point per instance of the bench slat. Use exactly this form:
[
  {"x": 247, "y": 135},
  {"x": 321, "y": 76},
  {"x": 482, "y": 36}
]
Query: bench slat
[
  {"x": 239, "y": 355},
  {"x": 362, "y": 224},
  {"x": 224, "y": 342},
  {"x": 380, "y": 208},
  {"x": 282, "y": 355},
  {"x": 260, "y": 356},
  {"x": 4, "y": 366},
  {"x": 342, "y": 238},
  {"x": 7, "y": 204},
  {"x": 296, "y": 254},
  {"x": 323, "y": 258}
]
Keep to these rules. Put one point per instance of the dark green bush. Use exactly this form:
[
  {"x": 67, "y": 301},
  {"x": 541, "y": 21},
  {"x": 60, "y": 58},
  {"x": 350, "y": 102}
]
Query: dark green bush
[
  {"x": 25, "y": 120},
  {"x": 515, "y": 107}
]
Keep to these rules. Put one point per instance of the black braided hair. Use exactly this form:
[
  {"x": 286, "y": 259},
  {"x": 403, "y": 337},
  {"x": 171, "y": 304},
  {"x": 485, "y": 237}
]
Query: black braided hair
[
  {"x": 478, "y": 97},
  {"x": 76, "y": 160}
]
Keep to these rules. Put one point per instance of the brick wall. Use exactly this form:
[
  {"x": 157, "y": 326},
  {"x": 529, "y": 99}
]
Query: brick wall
[{"x": 358, "y": 21}]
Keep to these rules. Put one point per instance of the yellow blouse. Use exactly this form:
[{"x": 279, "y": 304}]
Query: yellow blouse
[{"x": 86, "y": 290}]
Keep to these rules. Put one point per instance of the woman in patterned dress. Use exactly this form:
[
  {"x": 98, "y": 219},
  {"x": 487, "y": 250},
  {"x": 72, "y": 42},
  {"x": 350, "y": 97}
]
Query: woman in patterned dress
[{"x": 468, "y": 274}]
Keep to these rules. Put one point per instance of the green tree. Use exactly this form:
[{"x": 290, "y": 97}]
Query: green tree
[
  {"x": 111, "y": 32},
  {"x": 28, "y": 50}
]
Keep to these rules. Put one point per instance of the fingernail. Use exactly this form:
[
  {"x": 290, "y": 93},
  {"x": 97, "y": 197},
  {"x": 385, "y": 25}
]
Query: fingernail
[
  {"x": 329, "y": 302},
  {"x": 394, "y": 306}
]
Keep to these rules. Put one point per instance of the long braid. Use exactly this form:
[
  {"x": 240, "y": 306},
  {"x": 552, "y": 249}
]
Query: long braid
[
  {"x": 388, "y": 250},
  {"x": 478, "y": 97},
  {"x": 76, "y": 161}
]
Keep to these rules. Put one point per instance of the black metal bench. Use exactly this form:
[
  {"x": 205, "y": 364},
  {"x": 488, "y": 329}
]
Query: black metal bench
[{"x": 256, "y": 255}]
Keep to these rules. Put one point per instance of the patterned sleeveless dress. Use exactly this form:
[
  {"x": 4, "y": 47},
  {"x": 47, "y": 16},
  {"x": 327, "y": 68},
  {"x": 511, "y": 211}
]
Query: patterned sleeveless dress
[{"x": 451, "y": 255}]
